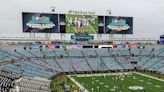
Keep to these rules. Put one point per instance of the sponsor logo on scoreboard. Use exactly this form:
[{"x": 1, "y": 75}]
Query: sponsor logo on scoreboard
[
  {"x": 40, "y": 22},
  {"x": 82, "y": 37},
  {"x": 81, "y": 12}
]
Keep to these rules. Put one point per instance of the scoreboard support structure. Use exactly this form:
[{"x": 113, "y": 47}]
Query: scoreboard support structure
[
  {"x": 99, "y": 36},
  {"x": 123, "y": 36},
  {"x": 111, "y": 37},
  {"x": 32, "y": 36},
  {"x": 62, "y": 36},
  {"x": 47, "y": 36}
]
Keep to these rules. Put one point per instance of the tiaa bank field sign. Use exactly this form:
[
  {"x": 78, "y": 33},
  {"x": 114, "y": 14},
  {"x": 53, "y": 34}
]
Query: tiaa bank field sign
[
  {"x": 82, "y": 37},
  {"x": 81, "y": 12}
]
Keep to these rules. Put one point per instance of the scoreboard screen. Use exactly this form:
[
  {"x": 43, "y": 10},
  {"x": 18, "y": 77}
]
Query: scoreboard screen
[
  {"x": 40, "y": 23},
  {"x": 162, "y": 40},
  {"x": 81, "y": 24},
  {"x": 118, "y": 25}
]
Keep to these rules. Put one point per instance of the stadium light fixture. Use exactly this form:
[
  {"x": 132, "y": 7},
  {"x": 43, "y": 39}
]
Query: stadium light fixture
[
  {"x": 52, "y": 8},
  {"x": 109, "y": 12}
]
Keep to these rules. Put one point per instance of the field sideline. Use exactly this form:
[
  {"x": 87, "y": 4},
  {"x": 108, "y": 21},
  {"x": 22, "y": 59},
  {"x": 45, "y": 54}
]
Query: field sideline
[{"x": 112, "y": 82}]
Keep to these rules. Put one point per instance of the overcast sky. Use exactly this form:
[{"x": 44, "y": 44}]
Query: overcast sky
[{"x": 148, "y": 14}]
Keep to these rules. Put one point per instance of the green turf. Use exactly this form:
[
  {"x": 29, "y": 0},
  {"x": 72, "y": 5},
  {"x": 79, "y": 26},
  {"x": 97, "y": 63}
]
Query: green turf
[
  {"x": 149, "y": 84},
  {"x": 92, "y": 29},
  {"x": 56, "y": 84}
]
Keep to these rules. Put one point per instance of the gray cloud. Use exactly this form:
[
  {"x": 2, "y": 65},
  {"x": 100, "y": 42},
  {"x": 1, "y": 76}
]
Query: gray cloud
[{"x": 148, "y": 14}]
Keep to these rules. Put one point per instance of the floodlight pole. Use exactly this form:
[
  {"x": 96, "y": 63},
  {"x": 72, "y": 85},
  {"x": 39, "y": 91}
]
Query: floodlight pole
[
  {"x": 48, "y": 35},
  {"x": 108, "y": 13}
]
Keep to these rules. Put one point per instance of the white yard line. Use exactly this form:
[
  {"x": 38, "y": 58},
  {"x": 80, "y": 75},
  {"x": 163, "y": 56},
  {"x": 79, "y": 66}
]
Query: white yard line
[
  {"x": 92, "y": 28},
  {"x": 78, "y": 84},
  {"x": 149, "y": 76},
  {"x": 101, "y": 74}
]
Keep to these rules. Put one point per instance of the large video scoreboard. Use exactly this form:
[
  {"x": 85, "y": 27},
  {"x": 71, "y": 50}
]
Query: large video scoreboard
[
  {"x": 40, "y": 23},
  {"x": 76, "y": 24},
  {"x": 118, "y": 25},
  {"x": 162, "y": 39}
]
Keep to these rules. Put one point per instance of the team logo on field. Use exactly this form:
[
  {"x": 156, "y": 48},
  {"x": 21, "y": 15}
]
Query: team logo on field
[{"x": 136, "y": 88}]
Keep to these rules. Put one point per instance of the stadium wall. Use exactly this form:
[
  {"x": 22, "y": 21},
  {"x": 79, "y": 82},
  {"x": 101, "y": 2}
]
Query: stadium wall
[{"x": 148, "y": 15}]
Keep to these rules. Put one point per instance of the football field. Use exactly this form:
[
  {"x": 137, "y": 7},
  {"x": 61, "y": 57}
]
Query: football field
[
  {"x": 120, "y": 83},
  {"x": 87, "y": 24}
]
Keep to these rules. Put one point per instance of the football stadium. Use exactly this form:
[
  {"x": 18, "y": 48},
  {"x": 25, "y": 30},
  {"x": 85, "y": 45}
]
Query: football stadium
[{"x": 79, "y": 46}]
